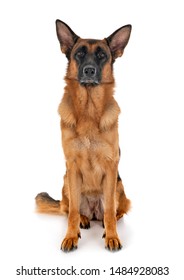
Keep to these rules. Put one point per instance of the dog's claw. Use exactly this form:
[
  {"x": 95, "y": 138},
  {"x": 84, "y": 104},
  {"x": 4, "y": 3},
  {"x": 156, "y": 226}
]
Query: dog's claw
[
  {"x": 69, "y": 250},
  {"x": 70, "y": 243},
  {"x": 114, "y": 249},
  {"x": 113, "y": 244}
]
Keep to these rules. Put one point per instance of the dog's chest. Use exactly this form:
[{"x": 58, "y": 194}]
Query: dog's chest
[
  {"x": 92, "y": 153},
  {"x": 91, "y": 145}
]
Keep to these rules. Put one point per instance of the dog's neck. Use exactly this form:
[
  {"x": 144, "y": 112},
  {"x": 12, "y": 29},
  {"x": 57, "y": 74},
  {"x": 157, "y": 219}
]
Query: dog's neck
[
  {"x": 89, "y": 98},
  {"x": 89, "y": 104}
]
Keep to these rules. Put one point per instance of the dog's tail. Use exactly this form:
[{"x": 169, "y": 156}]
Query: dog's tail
[{"x": 48, "y": 205}]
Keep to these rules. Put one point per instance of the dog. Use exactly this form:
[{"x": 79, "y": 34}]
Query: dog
[{"x": 93, "y": 189}]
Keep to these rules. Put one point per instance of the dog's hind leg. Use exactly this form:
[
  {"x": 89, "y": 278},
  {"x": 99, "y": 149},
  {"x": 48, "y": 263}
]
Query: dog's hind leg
[{"x": 84, "y": 222}]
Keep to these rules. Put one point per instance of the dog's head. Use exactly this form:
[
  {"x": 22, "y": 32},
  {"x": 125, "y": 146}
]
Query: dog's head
[{"x": 90, "y": 60}]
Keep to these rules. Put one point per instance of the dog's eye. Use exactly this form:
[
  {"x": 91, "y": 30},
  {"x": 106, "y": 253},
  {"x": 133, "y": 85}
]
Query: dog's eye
[
  {"x": 80, "y": 54},
  {"x": 101, "y": 55}
]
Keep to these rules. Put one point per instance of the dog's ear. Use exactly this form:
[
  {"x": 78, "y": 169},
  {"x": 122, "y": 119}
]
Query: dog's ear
[
  {"x": 66, "y": 37},
  {"x": 118, "y": 40}
]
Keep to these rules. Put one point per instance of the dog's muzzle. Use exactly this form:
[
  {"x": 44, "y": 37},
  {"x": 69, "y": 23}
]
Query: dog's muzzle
[{"x": 89, "y": 75}]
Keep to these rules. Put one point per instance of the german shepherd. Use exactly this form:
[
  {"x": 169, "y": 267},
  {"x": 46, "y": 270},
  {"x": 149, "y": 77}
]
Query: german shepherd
[{"x": 92, "y": 189}]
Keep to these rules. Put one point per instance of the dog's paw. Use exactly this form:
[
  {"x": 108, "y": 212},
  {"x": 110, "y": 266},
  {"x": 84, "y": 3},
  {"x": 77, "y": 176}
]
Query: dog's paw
[
  {"x": 70, "y": 243},
  {"x": 84, "y": 222},
  {"x": 112, "y": 243}
]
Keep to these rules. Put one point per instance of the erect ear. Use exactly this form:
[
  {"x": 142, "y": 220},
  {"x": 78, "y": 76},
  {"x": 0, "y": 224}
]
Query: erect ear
[
  {"x": 66, "y": 37},
  {"x": 118, "y": 40}
]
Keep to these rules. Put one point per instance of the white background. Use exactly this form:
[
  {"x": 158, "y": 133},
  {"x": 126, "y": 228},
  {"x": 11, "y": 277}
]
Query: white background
[{"x": 150, "y": 92}]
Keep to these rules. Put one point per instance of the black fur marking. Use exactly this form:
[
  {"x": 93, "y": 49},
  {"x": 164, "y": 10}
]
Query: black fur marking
[
  {"x": 118, "y": 178},
  {"x": 92, "y": 41}
]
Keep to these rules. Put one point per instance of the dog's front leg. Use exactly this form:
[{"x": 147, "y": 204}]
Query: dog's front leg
[
  {"x": 73, "y": 233},
  {"x": 112, "y": 241}
]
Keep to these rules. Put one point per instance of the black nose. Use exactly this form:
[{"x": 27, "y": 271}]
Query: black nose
[{"x": 89, "y": 71}]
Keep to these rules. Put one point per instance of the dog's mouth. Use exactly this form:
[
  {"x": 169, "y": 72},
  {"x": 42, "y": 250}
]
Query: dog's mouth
[{"x": 89, "y": 82}]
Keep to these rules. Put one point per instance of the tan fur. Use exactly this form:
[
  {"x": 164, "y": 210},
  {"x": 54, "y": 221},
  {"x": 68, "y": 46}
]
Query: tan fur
[{"x": 89, "y": 125}]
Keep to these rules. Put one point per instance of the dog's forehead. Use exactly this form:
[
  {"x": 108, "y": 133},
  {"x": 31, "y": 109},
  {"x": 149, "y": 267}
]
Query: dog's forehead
[{"x": 92, "y": 44}]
